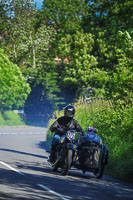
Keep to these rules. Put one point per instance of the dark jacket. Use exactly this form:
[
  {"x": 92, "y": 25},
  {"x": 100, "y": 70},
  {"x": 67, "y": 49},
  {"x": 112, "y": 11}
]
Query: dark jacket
[{"x": 65, "y": 123}]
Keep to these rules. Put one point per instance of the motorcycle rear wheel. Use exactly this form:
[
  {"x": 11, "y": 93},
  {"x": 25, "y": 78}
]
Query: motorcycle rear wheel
[{"x": 68, "y": 161}]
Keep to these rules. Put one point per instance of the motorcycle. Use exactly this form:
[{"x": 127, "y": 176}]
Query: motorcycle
[
  {"x": 65, "y": 152},
  {"x": 91, "y": 155}
]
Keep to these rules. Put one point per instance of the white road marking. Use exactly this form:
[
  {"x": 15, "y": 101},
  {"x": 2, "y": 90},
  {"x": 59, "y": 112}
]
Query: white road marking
[
  {"x": 3, "y": 163},
  {"x": 51, "y": 191},
  {"x": 21, "y": 133},
  {"x": 40, "y": 185}
]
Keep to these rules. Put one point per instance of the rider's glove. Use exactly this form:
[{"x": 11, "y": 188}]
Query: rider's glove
[
  {"x": 60, "y": 131},
  {"x": 83, "y": 133}
]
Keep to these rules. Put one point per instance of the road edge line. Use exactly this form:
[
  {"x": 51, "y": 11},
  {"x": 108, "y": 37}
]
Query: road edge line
[{"x": 10, "y": 167}]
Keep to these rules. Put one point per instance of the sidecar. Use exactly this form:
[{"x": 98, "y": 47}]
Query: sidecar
[{"x": 91, "y": 154}]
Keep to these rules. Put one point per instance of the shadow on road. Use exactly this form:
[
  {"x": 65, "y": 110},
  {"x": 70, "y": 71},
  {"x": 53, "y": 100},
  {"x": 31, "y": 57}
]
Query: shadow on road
[
  {"x": 43, "y": 145},
  {"x": 21, "y": 152},
  {"x": 25, "y": 187}
]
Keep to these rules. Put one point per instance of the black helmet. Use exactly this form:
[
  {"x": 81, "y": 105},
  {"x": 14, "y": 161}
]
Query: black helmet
[{"x": 69, "y": 111}]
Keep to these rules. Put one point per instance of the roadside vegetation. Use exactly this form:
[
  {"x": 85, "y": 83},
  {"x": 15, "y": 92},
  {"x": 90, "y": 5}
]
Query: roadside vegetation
[
  {"x": 9, "y": 118},
  {"x": 13, "y": 91},
  {"x": 115, "y": 126}
]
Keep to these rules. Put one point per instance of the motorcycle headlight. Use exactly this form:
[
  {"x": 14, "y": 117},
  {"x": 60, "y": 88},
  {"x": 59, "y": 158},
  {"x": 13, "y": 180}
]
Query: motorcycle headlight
[{"x": 71, "y": 135}]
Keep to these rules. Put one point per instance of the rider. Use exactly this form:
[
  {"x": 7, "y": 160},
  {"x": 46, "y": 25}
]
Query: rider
[
  {"x": 93, "y": 130},
  {"x": 62, "y": 124}
]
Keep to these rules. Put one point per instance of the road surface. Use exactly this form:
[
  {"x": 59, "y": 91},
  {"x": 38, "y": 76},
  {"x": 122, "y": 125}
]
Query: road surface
[{"x": 26, "y": 175}]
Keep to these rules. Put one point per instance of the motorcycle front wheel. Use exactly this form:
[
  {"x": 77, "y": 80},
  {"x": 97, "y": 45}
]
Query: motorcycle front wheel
[{"x": 68, "y": 161}]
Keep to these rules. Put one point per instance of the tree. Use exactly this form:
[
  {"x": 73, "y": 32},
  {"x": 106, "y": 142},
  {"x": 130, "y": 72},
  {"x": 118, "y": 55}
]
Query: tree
[
  {"x": 3, "y": 17},
  {"x": 78, "y": 50},
  {"x": 27, "y": 42},
  {"x": 104, "y": 19},
  {"x": 120, "y": 83},
  {"x": 64, "y": 15},
  {"x": 13, "y": 86}
]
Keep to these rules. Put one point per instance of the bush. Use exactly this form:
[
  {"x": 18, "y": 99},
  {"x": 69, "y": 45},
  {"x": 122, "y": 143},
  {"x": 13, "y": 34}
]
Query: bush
[
  {"x": 49, "y": 133},
  {"x": 13, "y": 87},
  {"x": 114, "y": 124},
  {"x": 2, "y": 122},
  {"x": 9, "y": 118}
]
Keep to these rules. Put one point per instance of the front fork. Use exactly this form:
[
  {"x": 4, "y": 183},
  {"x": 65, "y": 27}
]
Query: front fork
[
  {"x": 65, "y": 151},
  {"x": 73, "y": 147}
]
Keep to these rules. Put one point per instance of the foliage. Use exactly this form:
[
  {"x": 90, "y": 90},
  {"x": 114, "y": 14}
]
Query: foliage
[
  {"x": 65, "y": 15},
  {"x": 13, "y": 86},
  {"x": 120, "y": 83},
  {"x": 80, "y": 63},
  {"x": 84, "y": 32},
  {"x": 115, "y": 126},
  {"x": 9, "y": 118},
  {"x": 27, "y": 42},
  {"x": 3, "y": 17},
  {"x": 2, "y": 122},
  {"x": 26, "y": 39},
  {"x": 49, "y": 133}
]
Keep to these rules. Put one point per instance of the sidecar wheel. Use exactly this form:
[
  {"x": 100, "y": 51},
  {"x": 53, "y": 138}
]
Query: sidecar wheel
[
  {"x": 68, "y": 161},
  {"x": 100, "y": 172}
]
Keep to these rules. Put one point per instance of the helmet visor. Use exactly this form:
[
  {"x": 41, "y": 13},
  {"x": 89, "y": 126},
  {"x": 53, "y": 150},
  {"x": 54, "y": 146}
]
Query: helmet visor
[{"x": 69, "y": 113}]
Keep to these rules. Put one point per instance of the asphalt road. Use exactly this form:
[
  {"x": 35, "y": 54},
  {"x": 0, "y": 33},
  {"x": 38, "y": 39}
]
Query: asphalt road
[{"x": 26, "y": 175}]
